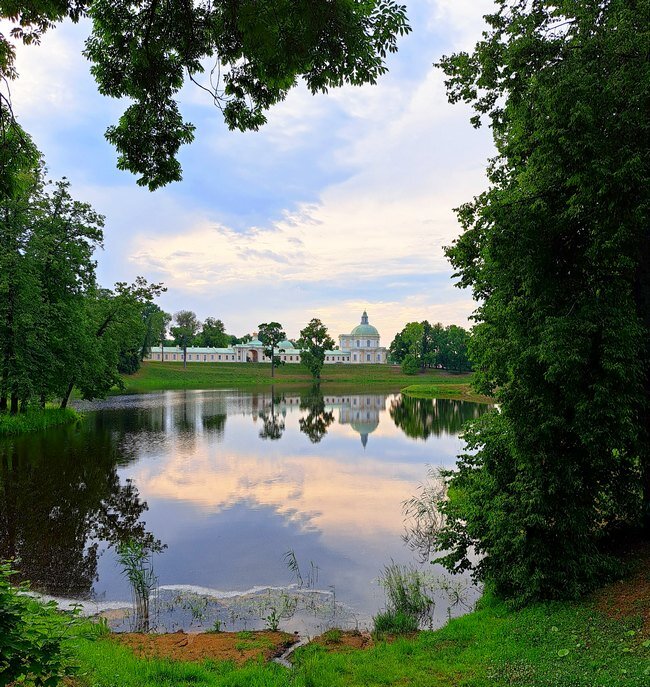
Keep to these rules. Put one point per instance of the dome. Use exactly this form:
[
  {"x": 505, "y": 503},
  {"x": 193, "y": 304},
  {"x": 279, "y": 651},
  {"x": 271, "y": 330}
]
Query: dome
[
  {"x": 364, "y": 329},
  {"x": 255, "y": 342},
  {"x": 285, "y": 344}
]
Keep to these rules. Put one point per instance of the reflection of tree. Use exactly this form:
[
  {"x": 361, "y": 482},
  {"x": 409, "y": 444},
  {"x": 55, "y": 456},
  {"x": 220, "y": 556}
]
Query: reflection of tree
[
  {"x": 215, "y": 424},
  {"x": 272, "y": 421},
  {"x": 317, "y": 420},
  {"x": 60, "y": 495},
  {"x": 422, "y": 417}
]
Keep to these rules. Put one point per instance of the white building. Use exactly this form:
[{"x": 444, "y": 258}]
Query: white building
[{"x": 359, "y": 347}]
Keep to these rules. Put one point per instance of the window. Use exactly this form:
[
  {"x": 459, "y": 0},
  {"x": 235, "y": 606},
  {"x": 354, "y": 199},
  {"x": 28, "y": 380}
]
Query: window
[
  {"x": 358, "y": 343},
  {"x": 174, "y": 356},
  {"x": 367, "y": 343},
  {"x": 378, "y": 357},
  {"x": 219, "y": 357},
  {"x": 368, "y": 357},
  {"x": 205, "y": 357},
  {"x": 355, "y": 356},
  {"x": 189, "y": 356}
]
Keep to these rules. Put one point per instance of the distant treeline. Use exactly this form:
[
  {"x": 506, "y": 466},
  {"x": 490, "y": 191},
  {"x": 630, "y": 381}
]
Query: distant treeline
[{"x": 420, "y": 345}]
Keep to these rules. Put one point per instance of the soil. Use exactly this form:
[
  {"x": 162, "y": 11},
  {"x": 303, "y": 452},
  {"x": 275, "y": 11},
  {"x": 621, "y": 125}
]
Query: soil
[
  {"x": 238, "y": 647},
  {"x": 630, "y": 597}
]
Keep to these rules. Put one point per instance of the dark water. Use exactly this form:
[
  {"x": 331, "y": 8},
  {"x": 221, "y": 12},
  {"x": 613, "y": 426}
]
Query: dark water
[{"x": 229, "y": 482}]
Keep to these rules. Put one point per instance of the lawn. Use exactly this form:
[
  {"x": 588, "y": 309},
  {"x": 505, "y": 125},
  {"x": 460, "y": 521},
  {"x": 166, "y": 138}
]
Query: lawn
[{"x": 158, "y": 376}]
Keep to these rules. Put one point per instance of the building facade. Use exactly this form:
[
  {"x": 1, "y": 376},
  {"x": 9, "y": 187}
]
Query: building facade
[{"x": 360, "y": 347}]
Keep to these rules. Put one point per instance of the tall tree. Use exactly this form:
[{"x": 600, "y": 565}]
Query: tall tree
[
  {"x": 314, "y": 341},
  {"x": 271, "y": 334},
  {"x": 185, "y": 330},
  {"x": 213, "y": 334},
  {"x": 557, "y": 251},
  {"x": 142, "y": 51},
  {"x": 156, "y": 322}
]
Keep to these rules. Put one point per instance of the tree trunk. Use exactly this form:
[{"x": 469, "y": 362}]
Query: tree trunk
[
  {"x": 184, "y": 357},
  {"x": 66, "y": 397},
  {"x": 42, "y": 401},
  {"x": 14, "y": 403}
]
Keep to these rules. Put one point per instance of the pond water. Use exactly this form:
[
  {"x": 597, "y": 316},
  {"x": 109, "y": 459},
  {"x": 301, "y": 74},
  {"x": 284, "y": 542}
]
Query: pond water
[{"x": 277, "y": 503}]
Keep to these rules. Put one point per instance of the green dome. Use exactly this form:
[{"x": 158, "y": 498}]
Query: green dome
[
  {"x": 255, "y": 342},
  {"x": 285, "y": 344},
  {"x": 364, "y": 329},
  {"x": 366, "y": 427}
]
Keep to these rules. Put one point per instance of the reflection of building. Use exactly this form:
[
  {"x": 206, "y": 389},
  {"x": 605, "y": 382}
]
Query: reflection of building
[
  {"x": 360, "y": 412},
  {"x": 359, "y": 347}
]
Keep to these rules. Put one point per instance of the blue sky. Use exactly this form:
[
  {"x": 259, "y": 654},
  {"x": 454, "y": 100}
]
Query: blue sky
[{"x": 342, "y": 202}]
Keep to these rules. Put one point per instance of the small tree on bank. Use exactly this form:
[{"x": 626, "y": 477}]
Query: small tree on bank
[
  {"x": 314, "y": 341},
  {"x": 270, "y": 334},
  {"x": 185, "y": 330}
]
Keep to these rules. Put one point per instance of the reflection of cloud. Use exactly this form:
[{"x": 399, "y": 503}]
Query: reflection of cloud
[{"x": 330, "y": 495}]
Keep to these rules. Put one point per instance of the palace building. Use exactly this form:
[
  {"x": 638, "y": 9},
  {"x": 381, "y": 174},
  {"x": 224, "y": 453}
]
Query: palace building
[{"x": 359, "y": 347}]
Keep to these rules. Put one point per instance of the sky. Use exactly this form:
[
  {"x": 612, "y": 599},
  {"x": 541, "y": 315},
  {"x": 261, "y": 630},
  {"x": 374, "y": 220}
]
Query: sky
[{"x": 341, "y": 203}]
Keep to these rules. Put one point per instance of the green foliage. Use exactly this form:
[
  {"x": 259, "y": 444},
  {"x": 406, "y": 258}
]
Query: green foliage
[
  {"x": 213, "y": 334},
  {"x": 432, "y": 346},
  {"x": 31, "y": 636},
  {"x": 187, "y": 327},
  {"x": 556, "y": 251},
  {"x": 141, "y": 52},
  {"x": 409, "y": 602},
  {"x": 410, "y": 365},
  {"x": 35, "y": 420},
  {"x": 271, "y": 334},
  {"x": 314, "y": 341}
]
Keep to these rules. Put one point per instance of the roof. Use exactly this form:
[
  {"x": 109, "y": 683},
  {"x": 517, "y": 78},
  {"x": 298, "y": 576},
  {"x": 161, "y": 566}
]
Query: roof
[
  {"x": 364, "y": 329},
  {"x": 192, "y": 349}
]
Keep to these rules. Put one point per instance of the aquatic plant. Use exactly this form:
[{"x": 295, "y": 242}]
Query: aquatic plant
[
  {"x": 409, "y": 600},
  {"x": 135, "y": 559}
]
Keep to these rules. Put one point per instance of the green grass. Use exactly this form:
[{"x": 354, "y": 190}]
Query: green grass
[
  {"x": 450, "y": 389},
  {"x": 545, "y": 645},
  {"x": 157, "y": 376},
  {"x": 36, "y": 420}
]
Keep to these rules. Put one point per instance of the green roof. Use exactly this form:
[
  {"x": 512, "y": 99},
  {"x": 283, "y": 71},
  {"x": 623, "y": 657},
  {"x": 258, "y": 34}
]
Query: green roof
[
  {"x": 364, "y": 330},
  {"x": 285, "y": 344}
]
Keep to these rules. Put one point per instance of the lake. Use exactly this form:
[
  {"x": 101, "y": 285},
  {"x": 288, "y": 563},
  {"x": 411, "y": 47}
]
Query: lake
[{"x": 281, "y": 503}]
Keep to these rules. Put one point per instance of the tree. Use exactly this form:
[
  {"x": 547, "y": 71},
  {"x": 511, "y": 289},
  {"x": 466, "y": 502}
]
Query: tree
[
  {"x": 185, "y": 330},
  {"x": 143, "y": 50},
  {"x": 557, "y": 251},
  {"x": 156, "y": 323},
  {"x": 271, "y": 334},
  {"x": 317, "y": 421},
  {"x": 314, "y": 341},
  {"x": 213, "y": 334}
]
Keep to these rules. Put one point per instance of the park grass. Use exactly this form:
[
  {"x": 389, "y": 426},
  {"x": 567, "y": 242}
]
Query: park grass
[
  {"x": 450, "y": 389},
  {"x": 544, "y": 645},
  {"x": 158, "y": 376},
  {"x": 36, "y": 420}
]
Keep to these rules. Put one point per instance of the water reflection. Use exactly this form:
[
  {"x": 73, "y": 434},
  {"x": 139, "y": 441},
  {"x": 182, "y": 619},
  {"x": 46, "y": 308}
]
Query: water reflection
[
  {"x": 233, "y": 480},
  {"x": 420, "y": 418},
  {"x": 60, "y": 496}
]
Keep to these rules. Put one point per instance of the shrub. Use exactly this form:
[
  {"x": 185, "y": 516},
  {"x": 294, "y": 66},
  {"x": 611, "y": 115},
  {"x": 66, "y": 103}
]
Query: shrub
[
  {"x": 31, "y": 636},
  {"x": 410, "y": 365}
]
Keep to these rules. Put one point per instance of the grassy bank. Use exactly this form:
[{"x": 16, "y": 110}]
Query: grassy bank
[
  {"x": 36, "y": 420},
  {"x": 451, "y": 389},
  {"x": 156, "y": 376},
  {"x": 603, "y": 641}
]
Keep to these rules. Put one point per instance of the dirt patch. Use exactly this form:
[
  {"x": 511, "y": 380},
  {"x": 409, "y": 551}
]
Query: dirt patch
[
  {"x": 238, "y": 647},
  {"x": 631, "y": 596},
  {"x": 344, "y": 640}
]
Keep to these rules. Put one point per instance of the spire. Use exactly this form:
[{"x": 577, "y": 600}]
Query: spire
[
  {"x": 364, "y": 440},
  {"x": 364, "y": 318}
]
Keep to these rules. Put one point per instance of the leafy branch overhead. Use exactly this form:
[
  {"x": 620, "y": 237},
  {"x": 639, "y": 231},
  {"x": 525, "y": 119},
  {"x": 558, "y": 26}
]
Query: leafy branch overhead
[{"x": 246, "y": 54}]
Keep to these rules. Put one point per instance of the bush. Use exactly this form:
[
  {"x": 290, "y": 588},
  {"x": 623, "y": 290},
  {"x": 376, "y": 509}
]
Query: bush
[
  {"x": 30, "y": 637},
  {"x": 410, "y": 365}
]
